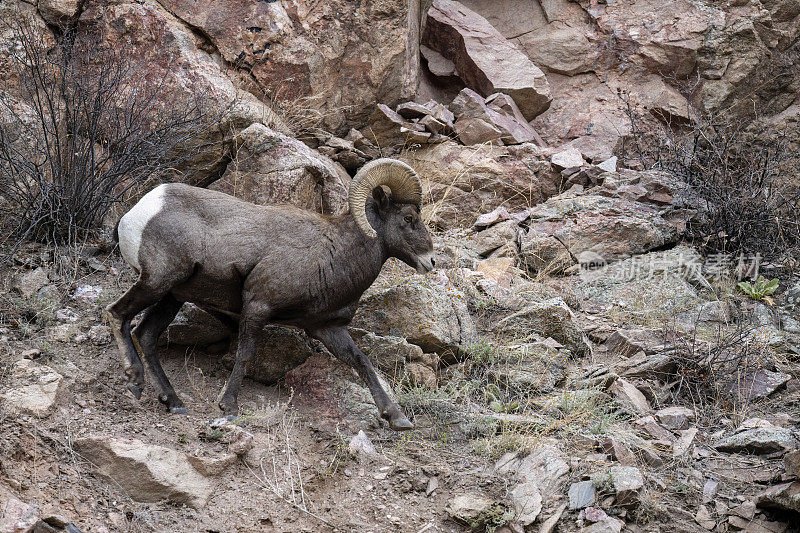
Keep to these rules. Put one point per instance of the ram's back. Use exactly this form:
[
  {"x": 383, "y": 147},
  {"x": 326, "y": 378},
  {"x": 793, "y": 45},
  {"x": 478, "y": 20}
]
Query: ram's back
[{"x": 217, "y": 231}]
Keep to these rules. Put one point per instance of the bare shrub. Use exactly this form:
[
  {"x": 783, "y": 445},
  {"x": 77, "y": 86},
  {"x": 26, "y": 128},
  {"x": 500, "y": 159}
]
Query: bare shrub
[
  {"x": 720, "y": 370},
  {"x": 89, "y": 126},
  {"x": 739, "y": 177}
]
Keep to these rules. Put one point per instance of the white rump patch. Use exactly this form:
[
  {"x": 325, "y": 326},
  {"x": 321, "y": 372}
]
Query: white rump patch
[{"x": 132, "y": 224}]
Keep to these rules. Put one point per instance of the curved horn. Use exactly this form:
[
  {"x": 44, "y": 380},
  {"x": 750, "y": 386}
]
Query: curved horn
[{"x": 400, "y": 178}]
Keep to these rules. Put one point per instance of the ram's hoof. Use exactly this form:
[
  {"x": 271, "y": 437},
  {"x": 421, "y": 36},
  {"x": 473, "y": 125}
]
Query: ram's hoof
[
  {"x": 178, "y": 410},
  {"x": 135, "y": 390},
  {"x": 401, "y": 423}
]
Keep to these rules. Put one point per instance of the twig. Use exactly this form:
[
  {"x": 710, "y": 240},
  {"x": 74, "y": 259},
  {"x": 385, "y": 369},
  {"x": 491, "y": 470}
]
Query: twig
[{"x": 285, "y": 500}]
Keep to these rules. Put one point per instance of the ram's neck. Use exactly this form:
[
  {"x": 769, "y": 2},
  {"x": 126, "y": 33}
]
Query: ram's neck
[{"x": 355, "y": 261}]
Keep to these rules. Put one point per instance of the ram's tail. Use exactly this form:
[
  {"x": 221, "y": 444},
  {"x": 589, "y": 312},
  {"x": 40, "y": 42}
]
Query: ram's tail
[{"x": 116, "y": 231}]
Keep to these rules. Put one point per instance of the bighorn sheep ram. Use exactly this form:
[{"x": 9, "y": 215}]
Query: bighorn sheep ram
[{"x": 264, "y": 264}]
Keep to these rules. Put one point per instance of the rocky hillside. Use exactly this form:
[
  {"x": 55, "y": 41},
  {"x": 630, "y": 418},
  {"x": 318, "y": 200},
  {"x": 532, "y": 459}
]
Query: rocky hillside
[{"x": 574, "y": 363}]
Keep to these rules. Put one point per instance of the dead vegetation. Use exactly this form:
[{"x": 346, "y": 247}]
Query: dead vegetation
[
  {"x": 87, "y": 129},
  {"x": 742, "y": 179}
]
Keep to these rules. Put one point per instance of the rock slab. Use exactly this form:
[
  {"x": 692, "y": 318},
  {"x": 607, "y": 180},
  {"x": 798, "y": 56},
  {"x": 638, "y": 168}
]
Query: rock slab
[
  {"x": 759, "y": 440},
  {"x": 785, "y": 497},
  {"x": 147, "y": 473},
  {"x": 581, "y": 494},
  {"x": 17, "y": 517},
  {"x": 37, "y": 391},
  {"x": 550, "y": 318},
  {"x": 484, "y": 59},
  {"x": 628, "y": 483},
  {"x": 274, "y": 168}
]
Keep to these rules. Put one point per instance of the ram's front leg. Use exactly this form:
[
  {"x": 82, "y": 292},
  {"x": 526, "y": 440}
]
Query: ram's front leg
[
  {"x": 340, "y": 343},
  {"x": 251, "y": 322}
]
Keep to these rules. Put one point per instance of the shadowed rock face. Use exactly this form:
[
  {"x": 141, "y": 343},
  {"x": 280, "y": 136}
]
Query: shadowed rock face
[{"x": 346, "y": 55}]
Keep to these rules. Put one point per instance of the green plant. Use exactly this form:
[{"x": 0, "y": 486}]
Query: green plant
[
  {"x": 499, "y": 438},
  {"x": 481, "y": 352},
  {"x": 761, "y": 289},
  {"x": 497, "y": 401},
  {"x": 603, "y": 482},
  {"x": 493, "y": 517},
  {"x": 211, "y": 435}
]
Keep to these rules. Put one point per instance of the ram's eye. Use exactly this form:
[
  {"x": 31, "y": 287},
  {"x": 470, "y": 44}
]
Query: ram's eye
[{"x": 408, "y": 220}]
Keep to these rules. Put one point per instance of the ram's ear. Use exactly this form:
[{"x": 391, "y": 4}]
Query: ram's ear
[{"x": 380, "y": 197}]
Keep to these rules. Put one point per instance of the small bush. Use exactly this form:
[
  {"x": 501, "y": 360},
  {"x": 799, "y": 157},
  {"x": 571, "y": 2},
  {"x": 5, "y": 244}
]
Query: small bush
[
  {"x": 88, "y": 127},
  {"x": 718, "y": 369},
  {"x": 495, "y": 516}
]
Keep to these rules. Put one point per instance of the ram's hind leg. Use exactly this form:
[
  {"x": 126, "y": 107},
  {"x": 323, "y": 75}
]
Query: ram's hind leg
[
  {"x": 146, "y": 334},
  {"x": 144, "y": 293},
  {"x": 119, "y": 315}
]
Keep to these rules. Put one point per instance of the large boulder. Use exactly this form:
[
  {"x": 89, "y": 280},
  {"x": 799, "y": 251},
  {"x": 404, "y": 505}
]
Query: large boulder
[
  {"x": 194, "y": 327},
  {"x": 557, "y": 35},
  {"x": 613, "y": 228},
  {"x": 30, "y": 282},
  {"x": 484, "y": 59},
  {"x": 635, "y": 287},
  {"x": 628, "y": 484},
  {"x": 433, "y": 317},
  {"x": 785, "y": 497},
  {"x": 333, "y": 394},
  {"x": 481, "y": 120},
  {"x": 504, "y": 234},
  {"x": 545, "y": 465},
  {"x": 147, "y": 473},
  {"x": 270, "y": 167},
  {"x": 280, "y": 349},
  {"x": 399, "y": 359},
  {"x": 18, "y": 517},
  {"x": 543, "y": 253},
  {"x": 759, "y": 440},
  {"x": 461, "y": 181},
  {"x": 162, "y": 46},
  {"x": 532, "y": 368},
  {"x": 586, "y": 114}
]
